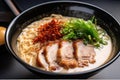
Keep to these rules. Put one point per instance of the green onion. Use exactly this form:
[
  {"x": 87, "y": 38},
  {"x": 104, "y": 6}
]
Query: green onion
[{"x": 81, "y": 29}]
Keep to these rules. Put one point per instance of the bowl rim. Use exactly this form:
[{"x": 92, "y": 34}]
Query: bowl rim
[{"x": 48, "y": 72}]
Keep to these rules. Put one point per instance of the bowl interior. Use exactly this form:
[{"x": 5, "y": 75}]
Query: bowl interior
[{"x": 72, "y": 9}]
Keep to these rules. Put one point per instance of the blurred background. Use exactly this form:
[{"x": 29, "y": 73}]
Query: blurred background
[{"x": 9, "y": 9}]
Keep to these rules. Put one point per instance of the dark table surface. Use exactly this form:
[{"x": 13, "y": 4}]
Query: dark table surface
[{"x": 10, "y": 68}]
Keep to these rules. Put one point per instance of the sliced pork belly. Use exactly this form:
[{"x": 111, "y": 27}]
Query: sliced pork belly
[
  {"x": 65, "y": 55},
  {"x": 57, "y": 56},
  {"x": 84, "y": 53},
  {"x": 51, "y": 56},
  {"x": 41, "y": 59}
]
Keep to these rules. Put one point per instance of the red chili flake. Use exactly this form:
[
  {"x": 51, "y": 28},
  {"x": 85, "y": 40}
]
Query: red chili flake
[{"x": 49, "y": 31}]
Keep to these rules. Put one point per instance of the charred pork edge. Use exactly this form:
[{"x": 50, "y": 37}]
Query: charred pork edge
[{"x": 59, "y": 52}]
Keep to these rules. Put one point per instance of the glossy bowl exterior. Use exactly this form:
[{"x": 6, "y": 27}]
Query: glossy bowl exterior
[{"x": 65, "y": 8}]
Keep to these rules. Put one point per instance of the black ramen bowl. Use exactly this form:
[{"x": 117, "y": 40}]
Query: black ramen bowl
[{"x": 65, "y": 8}]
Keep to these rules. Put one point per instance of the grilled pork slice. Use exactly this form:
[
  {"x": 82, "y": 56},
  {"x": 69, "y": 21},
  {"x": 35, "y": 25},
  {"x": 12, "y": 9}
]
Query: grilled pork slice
[
  {"x": 65, "y": 55},
  {"x": 51, "y": 56},
  {"x": 41, "y": 59},
  {"x": 84, "y": 53}
]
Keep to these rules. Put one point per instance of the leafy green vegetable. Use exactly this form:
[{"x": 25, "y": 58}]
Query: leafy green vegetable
[{"x": 81, "y": 29}]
